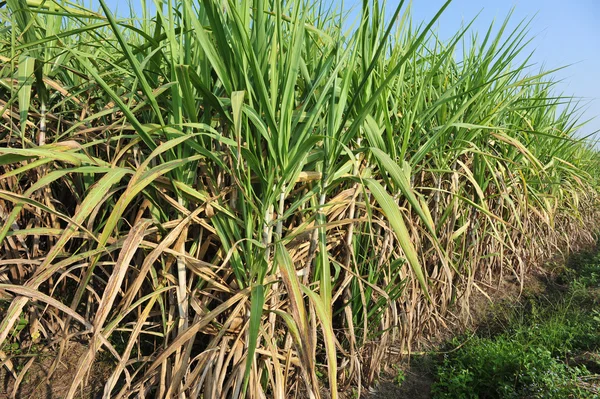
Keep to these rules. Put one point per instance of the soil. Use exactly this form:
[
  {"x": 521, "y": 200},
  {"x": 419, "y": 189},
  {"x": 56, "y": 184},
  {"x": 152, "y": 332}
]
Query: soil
[
  {"x": 418, "y": 379},
  {"x": 36, "y": 385}
]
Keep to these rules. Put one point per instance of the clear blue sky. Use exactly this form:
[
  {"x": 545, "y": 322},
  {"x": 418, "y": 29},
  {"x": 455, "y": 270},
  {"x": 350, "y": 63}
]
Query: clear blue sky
[{"x": 565, "y": 32}]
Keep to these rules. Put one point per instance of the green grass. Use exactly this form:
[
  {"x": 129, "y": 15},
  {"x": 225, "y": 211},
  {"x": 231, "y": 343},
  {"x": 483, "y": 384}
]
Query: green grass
[
  {"x": 538, "y": 352},
  {"x": 254, "y": 195},
  {"x": 506, "y": 368}
]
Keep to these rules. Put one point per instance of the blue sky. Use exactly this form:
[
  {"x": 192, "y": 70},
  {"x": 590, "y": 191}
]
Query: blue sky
[{"x": 564, "y": 32}]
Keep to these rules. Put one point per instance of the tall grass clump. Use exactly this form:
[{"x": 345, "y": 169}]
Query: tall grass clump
[{"x": 260, "y": 198}]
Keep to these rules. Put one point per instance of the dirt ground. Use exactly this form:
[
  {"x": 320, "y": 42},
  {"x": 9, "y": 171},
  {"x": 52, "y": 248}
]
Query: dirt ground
[
  {"x": 35, "y": 383},
  {"x": 416, "y": 385}
]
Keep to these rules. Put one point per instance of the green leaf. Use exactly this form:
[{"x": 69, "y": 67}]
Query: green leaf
[
  {"x": 25, "y": 82},
  {"x": 256, "y": 309},
  {"x": 396, "y": 220}
]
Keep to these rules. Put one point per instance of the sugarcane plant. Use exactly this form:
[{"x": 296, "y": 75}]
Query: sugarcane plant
[{"x": 261, "y": 198}]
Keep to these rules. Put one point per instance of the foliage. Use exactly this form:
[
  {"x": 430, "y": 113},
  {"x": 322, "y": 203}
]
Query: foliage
[
  {"x": 506, "y": 368},
  {"x": 531, "y": 357},
  {"x": 400, "y": 376}
]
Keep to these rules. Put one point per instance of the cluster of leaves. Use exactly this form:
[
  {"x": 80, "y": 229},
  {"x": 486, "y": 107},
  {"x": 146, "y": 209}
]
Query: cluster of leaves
[
  {"x": 399, "y": 376},
  {"x": 584, "y": 273},
  {"x": 530, "y": 359},
  {"x": 506, "y": 368},
  {"x": 560, "y": 328}
]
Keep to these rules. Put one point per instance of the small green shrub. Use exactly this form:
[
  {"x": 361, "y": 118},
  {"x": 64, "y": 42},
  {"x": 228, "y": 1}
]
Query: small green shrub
[
  {"x": 505, "y": 368},
  {"x": 400, "y": 377},
  {"x": 584, "y": 274},
  {"x": 529, "y": 356},
  {"x": 561, "y": 334}
]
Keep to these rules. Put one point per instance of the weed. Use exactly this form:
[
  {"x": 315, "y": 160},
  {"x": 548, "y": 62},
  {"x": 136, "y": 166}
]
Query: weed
[
  {"x": 529, "y": 359},
  {"x": 399, "y": 376}
]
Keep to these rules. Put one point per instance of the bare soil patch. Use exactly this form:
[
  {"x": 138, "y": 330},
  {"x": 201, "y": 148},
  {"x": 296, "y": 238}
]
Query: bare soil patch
[{"x": 36, "y": 385}]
